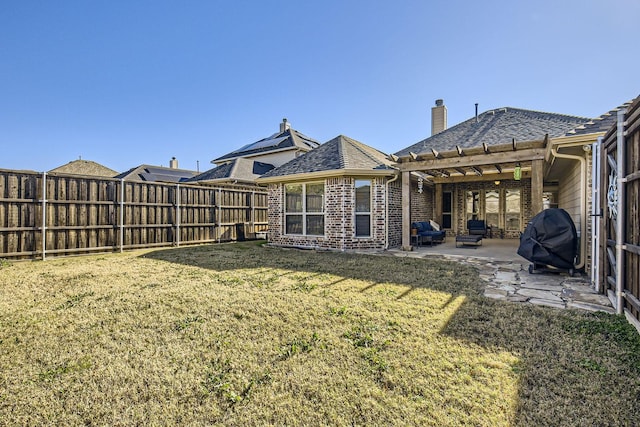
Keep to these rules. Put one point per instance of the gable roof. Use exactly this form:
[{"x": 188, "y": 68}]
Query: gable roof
[
  {"x": 498, "y": 127},
  {"x": 150, "y": 173},
  {"x": 279, "y": 141},
  {"x": 340, "y": 155},
  {"x": 85, "y": 167},
  {"x": 240, "y": 169}
]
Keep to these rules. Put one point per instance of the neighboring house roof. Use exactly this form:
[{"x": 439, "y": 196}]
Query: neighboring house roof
[
  {"x": 600, "y": 124},
  {"x": 150, "y": 173},
  {"x": 240, "y": 169},
  {"x": 85, "y": 167},
  {"x": 341, "y": 154},
  {"x": 498, "y": 127},
  {"x": 285, "y": 139}
]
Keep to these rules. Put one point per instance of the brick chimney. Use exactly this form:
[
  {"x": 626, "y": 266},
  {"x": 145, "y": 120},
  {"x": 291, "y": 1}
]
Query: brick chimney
[
  {"x": 284, "y": 125},
  {"x": 173, "y": 163},
  {"x": 438, "y": 117}
]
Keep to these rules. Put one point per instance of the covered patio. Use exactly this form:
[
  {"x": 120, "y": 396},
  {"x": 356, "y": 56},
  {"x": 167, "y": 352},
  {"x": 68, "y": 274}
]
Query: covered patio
[
  {"x": 500, "y": 184},
  {"x": 495, "y": 249}
]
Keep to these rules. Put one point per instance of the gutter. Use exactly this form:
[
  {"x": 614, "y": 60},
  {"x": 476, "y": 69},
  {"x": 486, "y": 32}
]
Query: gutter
[
  {"x": 386, "y": 213},
  {"x": 583, "y": 200}
]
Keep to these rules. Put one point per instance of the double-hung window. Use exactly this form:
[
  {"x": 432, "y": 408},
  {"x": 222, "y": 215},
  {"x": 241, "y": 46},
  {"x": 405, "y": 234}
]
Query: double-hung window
[
  {"x": 304, "y": 209},
  {"x": 512, "y": 211},
  {"x": 363, "y": 208}
]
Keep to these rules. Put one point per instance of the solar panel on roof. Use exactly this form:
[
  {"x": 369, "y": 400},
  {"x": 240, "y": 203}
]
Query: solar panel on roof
[
  {"x": 263, "y": 143},
  {"x": 267, "y": 143}
]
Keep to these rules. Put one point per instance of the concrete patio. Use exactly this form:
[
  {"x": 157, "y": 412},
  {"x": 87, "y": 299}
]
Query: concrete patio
[{"x": 506, "y": 276}]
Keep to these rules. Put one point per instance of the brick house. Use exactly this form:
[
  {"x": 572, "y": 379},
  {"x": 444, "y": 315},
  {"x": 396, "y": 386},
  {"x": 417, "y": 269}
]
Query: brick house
[
  {"x": 343, "y": 195},
  {"x": 502, "y": 166}
]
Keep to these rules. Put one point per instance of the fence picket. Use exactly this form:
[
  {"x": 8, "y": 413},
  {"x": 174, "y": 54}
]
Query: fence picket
[{"x": 89, "y": 214}]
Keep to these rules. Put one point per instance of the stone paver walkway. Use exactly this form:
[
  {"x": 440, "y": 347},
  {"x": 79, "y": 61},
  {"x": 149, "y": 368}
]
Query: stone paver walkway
[{"x": 509, "y": 280}]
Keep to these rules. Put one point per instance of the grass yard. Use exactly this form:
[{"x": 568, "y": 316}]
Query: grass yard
[{"x": 240, "y": 334}]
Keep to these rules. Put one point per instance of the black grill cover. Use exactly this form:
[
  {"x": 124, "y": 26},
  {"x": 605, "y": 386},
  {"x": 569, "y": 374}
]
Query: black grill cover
[{"x": 551, "y": 239}]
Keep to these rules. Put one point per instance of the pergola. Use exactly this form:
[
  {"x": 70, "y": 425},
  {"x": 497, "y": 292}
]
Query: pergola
[{"x": 483, "y": 163}]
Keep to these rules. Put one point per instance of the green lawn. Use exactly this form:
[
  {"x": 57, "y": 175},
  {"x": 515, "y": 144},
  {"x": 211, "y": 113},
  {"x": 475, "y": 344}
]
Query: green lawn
[{"x": 240, "y": 334}]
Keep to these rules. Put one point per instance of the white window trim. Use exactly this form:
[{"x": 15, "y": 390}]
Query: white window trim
[
  {"x": 304, "y": 212},
  {"x": 520, "y": 210},
  {"x": 370, "y": 212}
]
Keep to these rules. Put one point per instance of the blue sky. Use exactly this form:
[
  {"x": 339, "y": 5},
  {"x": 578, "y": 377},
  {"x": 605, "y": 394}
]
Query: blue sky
[{"x": 125, "y": 83}]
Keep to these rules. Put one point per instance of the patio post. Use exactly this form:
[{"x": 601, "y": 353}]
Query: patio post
[
  {"x": 406, "y": 211},
  {"x": 437, "y": 215},
  {"x": 537, "y": 174}
]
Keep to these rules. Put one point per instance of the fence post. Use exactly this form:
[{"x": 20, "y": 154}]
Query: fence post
[
  {"x": 121, "y": 215},
  {"x": 253, "y": 213},
  {"x": 177, "y": 240},
  {"x": 620, "y": 220},
  {"x": 219, "y": 216},
  {"x": 44, "y": 215}
]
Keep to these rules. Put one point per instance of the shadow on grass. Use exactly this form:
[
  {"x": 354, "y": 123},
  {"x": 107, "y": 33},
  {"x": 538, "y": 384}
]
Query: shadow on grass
[
  {"x": 438, "y": 275},
  {"x": 576, "y": 368}
]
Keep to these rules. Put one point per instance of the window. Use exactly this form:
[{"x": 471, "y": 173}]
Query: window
[
  {"x": 447, "y": 209},
  {"x": 363, "y": 208},
  {"x": 473, "y": 205},
  {"x": 492, "y": 208},
  {"x": 512, "y": 211},
  {"x": 304, "y": 209}
]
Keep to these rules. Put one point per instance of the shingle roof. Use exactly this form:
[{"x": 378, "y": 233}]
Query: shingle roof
[
  {"x": 150, "y": 173},
  {"x": 338, "y": 154},
  {"x": 289, "y": 138},
  {"x": 498, "y": 127},
  {"x": 600, "y": 124},
  {"x": 240, "y": 169},
  {"x": 85, "y": 167}
]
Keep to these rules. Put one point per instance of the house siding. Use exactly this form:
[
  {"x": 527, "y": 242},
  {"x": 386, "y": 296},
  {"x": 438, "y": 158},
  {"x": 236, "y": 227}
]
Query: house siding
[
  {"x": 569, "y": 193},
  {"x": 569, "y": 200},
  {"x": 340, "y": 217}
]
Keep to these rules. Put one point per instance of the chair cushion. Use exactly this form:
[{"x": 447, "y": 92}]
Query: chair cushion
[{"x": 434, "y": 225}]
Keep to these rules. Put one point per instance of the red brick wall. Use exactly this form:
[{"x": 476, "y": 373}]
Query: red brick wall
[{"x": 340, "y": 217}]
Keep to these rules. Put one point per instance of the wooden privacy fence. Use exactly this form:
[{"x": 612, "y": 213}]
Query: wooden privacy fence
[
  {"x": 57, "y": 214},
  {"x": 620, "y": 225}
]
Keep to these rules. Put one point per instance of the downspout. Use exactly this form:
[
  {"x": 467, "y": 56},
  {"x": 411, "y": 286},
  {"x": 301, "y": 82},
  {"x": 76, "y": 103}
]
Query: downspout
[
  {"x": 596, "y": 213},
  {"x": 386, "y": 212},
  {"x": 583, "y": 201}
]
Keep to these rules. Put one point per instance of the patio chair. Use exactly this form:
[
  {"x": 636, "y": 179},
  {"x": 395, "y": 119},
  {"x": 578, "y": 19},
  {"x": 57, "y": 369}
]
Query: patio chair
[
  {"x": 427, "y": 233},
  {"x": 478, "y": 227}
]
